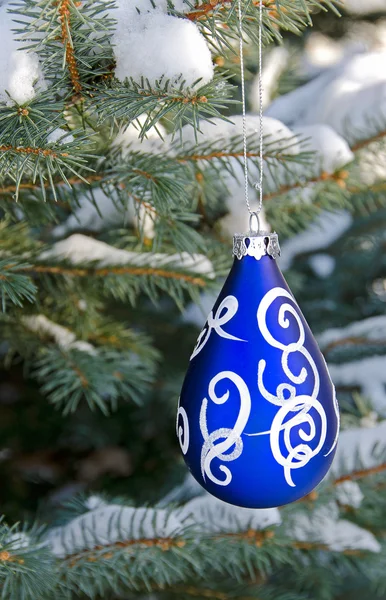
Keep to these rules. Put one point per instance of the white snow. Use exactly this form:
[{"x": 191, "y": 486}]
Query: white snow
[
  {"x": 327, "y": 228},
  {"x": 110, "y": 524},
  {"x": 349, "y": 493},
  {"x": 324, "y": 526},
  {"x": 373, "y": 328},
  {"x": 79, "y": 249},
  {"x": 369, "y": 374},
  {"x": 62, "y": 336},
  {"x": 350, "y": 97},
  {"x": 150, "y": 43},
  {"x": 322, "y": 264},
  {"x": 19, "y": 69},
  {"x": 210, "y": 515}
]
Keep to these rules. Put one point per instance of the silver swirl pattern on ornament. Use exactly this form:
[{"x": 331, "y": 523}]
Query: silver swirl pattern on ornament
[
  {"x": 183, "y": 433},
  {"x": 225, "y": 312},
  {"x": 231, "y": 437},
  {"x": 285, "y": 396}
]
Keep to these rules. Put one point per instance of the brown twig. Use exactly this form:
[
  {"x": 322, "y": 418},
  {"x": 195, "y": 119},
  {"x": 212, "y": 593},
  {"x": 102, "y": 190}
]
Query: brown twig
[
  {"x": 206, "y": 593},
  {"x": 10, "y": 189},
  {"x": 364, "y": 143},
  {"x": 206, "y": 8},
  {"x": 213, "y": 155},
  {"x": 107, "y": 552},
  {"x": 361, "y": 473},
  {"x": 6, "y": 556},
  {"x": 339, "y": 177},
  {"x": 32, "y": 150},
  {"x": 65, "y": 21},
  {"x": 138, "y": 271},
  {"x": 163, "y": 544},
  {"x": 353, "y": 341}
]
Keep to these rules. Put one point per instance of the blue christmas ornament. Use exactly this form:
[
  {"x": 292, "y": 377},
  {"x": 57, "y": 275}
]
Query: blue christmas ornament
[{"x": 258, "y": 419}]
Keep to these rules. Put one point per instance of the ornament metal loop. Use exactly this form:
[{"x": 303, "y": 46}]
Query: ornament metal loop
[{"x": 254, "y": 221}]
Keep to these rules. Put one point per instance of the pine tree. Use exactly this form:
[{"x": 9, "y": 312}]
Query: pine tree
[{"x": 120, "y": 190}]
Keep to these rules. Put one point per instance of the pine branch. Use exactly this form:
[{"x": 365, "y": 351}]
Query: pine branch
[
  {"x": 278, "y": 15},
  {"x": 21, "y": 125},
  {"x": 14, "y": 285},
  {"x": 120, "y": 273},
  {"x": 164, "y": 100},
  {"x": 101, "y": 378},
  {"x": 273, "y": 8},
  {"x": 71, "y": 38},
  {"x": 23, "y": 554},
  {"x": 42, "y": 163}
]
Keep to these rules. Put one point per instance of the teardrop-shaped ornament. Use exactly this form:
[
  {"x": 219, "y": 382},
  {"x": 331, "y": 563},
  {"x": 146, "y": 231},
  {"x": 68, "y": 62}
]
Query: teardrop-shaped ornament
[{"x": 258, "y": 419}]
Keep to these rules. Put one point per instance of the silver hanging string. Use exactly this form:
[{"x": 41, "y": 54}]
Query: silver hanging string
[{"x": 259, "y": 184}]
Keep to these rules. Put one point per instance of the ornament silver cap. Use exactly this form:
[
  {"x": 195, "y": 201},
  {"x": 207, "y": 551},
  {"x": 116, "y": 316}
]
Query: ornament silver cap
[{"x": 256, "y": 243}]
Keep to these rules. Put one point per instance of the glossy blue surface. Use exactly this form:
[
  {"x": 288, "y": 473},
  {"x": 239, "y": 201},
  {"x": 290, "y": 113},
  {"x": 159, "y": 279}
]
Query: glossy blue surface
[{"x": 290, "y": 408}]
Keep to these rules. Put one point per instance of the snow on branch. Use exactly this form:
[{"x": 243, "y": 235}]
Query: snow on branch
[
  {"x": 324, "y": 231},
  {"x": 98, "y": 210},
  {"x": 150, "y": 43},
  {"x": 207, "y": 514},
  {"x": 359, "y": 452},
  {"x": 368, "y": 374},
  {"x": 79, "y": 249},
  {"x": 62, "y": 336},
  {"x": 348, "y": 493},
  {"x": 20, "y": 73},
  {"x": 110, "y": 524},
  {"x": 350, "y": 97},
  {"x": 373, "y": 328},
  {"x": 325, "y": 527}
]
